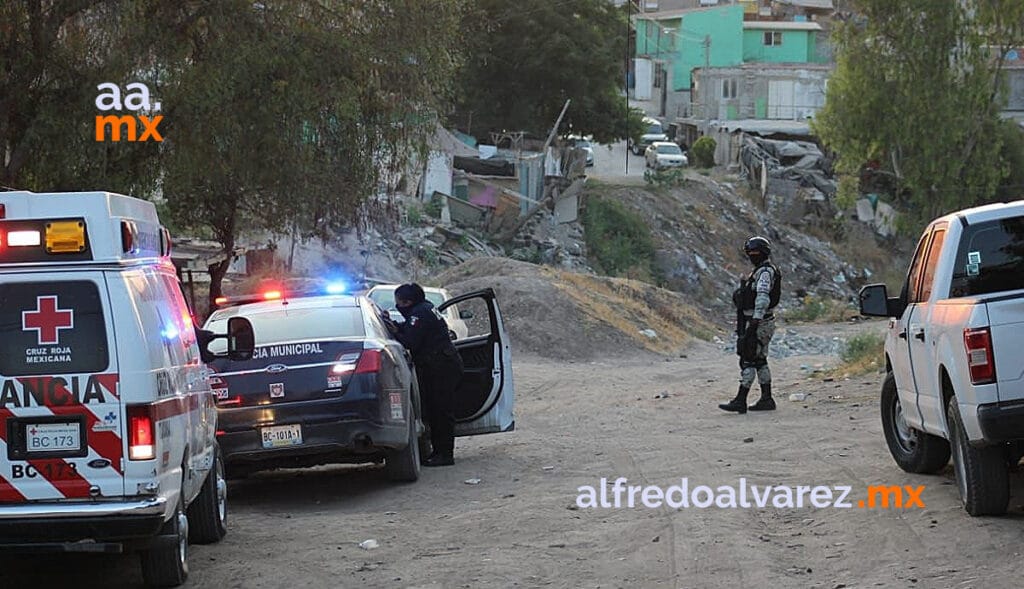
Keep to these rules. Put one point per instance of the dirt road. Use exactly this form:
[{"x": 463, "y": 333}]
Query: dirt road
[{"x": 577, "y": 423}]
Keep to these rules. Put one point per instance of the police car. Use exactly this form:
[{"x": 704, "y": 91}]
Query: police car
[
  {"x": 107, "y": 417},
  {"x": 328, "y": 384}
]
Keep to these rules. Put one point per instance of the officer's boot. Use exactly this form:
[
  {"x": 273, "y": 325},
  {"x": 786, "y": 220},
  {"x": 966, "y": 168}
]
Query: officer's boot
[
  {"x": 766, "y": 402},
  {"x": 738, "y": 404}
]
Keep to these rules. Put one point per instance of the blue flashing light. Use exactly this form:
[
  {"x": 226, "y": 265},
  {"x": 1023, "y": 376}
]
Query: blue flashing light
[
  {"x": 170, "y": 332},
  {"x": 337, "y": 287}
]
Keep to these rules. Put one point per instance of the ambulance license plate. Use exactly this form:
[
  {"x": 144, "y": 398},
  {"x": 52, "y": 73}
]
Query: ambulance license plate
[
  {"x": 53, "y": 437},
  {"x": 282, "y": 435}
]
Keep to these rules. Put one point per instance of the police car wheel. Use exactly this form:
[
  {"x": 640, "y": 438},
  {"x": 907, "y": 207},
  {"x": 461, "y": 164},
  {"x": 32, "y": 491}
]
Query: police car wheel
[
  {"x": 404, "y": 465},
  {"x": 208, "y": 514},
  {"x": 165, "y": 563}
]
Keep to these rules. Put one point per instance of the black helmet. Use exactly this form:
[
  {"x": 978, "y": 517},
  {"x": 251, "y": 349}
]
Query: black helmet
[{"x": 758, "y": 244}]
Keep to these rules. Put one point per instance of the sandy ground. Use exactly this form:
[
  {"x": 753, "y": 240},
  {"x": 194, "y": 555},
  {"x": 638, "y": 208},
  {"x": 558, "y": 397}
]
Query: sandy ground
[{"x": 578, "y": 422}]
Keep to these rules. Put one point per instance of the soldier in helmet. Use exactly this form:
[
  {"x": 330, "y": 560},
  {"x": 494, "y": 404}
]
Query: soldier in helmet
[{"x": 756, "y": 299}]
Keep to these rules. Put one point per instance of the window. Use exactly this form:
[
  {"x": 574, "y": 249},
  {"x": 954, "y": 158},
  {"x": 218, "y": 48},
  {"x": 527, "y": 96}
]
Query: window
[
  {"x": 772, "y": 38},
  {"x": 50, "y": 328},
  {"x": 912, "y": 286},
  {"x": 990, "y": 258},
  {"x": 289, "y": 325},
  {"x": 729, "y": 88},
  {"x": 929, "y": 267}
]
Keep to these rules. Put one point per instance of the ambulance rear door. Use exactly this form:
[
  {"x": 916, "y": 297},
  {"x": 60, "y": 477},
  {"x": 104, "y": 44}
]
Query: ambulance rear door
[{"x": 61, "y": 421}]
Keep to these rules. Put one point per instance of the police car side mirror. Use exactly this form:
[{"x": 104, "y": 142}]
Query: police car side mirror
[
  {"x": 241, "y": 339},
  {"x": 465, "y": 314}
]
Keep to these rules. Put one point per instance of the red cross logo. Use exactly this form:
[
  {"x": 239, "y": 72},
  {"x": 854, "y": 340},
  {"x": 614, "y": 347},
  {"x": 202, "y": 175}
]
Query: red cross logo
[{"x": 47, "y": 320}]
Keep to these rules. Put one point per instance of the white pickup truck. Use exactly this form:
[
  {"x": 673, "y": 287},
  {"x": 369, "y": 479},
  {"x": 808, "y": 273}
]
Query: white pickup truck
[{"x": 954, "y": 353}]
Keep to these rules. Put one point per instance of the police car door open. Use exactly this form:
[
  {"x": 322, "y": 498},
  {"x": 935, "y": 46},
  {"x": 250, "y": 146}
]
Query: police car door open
[
  {"x": 484, "y": 401},
  {"x": 61, "y": 423}
]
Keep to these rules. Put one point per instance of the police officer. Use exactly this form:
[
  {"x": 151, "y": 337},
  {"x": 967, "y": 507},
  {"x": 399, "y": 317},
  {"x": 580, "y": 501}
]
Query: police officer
[
  {"x": 755, "y": 304},
  {"x": 438, "y": 368}
]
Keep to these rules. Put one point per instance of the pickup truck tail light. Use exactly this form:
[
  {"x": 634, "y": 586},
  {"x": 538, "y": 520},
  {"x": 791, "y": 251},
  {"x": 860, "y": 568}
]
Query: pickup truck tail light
[
  {"x": 980, "y": 358},
  {"x": 141, "y": 441}
]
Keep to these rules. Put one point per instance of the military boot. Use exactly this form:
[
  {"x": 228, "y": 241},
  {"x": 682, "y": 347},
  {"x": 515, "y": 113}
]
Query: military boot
[
  {"x": 738, "y": 404},
  {"x": 766, "y": 402}
]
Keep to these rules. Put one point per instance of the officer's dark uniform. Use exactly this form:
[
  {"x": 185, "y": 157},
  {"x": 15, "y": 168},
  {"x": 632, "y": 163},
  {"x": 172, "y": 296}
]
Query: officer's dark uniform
[
  {"x": 755, "y": 302},
  {"x": 439, "y": 371}
]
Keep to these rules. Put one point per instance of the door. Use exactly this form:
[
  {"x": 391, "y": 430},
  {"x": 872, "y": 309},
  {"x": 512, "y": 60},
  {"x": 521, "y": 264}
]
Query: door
[
  {"x": 61, "y": 421},
  {"x": 921, "y": 342},
  {"x": 780, "y": 99},
  {"x": 484, "y": 401},
  {"x": 902, "y": 366}
]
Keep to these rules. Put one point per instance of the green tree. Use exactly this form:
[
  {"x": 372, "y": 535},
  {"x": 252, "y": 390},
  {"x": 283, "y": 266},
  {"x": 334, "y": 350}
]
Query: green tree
[
  {"x": 53, "y": 55},
  {"x": 916, "y": 90},
  {"x": 525, "y": 58}
]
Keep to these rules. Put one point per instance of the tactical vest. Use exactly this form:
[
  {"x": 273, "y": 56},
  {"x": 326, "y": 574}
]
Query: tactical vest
[{"x": 745, "y": 295}]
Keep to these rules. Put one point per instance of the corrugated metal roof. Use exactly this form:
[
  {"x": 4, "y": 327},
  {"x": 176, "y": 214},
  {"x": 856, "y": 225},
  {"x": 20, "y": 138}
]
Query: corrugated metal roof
[
  {"x": 819, "y": 4},
  {"x": 781, "y": 25}
]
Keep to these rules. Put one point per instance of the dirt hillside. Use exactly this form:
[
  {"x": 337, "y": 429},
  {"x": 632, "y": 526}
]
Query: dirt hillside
[{"x": 563, "y": 315}]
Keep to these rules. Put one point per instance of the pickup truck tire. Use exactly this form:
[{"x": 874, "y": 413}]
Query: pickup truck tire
[
  {"x": 165, "y": 564},
  {"x": 982, "y": 474},
  {"x": 404, "y": 465},
  {"x": 208, "y": 514},
  {"x": 913, "y": 450}
]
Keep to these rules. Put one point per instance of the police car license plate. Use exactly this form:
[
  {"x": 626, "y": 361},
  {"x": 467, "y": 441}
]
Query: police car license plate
[
  {"x": 53, "y": 437},
  {"x": 282, "y": 435}
]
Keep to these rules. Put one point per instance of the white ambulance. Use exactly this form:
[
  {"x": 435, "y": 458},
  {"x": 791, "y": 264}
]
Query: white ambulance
[{"x": 107, "y": 419}]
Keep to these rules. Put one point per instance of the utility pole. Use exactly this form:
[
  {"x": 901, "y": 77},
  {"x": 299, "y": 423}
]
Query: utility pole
[
  {"x": 706, "y": 82},
  {"x": 629, "y": 24}
]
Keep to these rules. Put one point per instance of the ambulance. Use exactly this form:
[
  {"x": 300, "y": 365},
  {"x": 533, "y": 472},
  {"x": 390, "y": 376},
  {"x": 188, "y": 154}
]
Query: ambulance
[{"x": 107, "y": 418}]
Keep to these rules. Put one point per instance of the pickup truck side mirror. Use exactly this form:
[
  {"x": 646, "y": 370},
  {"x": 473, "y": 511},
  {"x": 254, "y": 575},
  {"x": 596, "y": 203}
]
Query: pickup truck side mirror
[{"x": 875, "y": 302}]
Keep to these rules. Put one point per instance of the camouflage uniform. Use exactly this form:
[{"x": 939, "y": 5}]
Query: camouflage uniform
[
  {"x": 755, "y": 302},
  {"x": 756, "y": 363}
]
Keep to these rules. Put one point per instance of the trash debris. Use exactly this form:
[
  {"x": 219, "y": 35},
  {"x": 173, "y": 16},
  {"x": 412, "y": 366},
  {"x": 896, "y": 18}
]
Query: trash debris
[
  {"x": 472, "y": 481},
  {"x": 369, "y": 544},
  {"x": 796, "y": 397},
  {"x": 548, "y": 468},
  {"x": 748, "y": 440},
  {"x": 649, "y": 333}
]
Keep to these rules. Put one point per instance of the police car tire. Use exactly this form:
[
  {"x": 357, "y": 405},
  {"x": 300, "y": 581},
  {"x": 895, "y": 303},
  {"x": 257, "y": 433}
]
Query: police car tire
[
  {"x": 982, "y": 474},
  {"x": 165, "y": 565},
  {"x": 404, "y": 465},
  {"x": 927, "y": 455},
  {"x": 205, "y": 524}
]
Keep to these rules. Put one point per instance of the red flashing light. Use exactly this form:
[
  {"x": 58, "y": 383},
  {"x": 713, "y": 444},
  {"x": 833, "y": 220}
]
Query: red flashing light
[
  {"x": 369, "y": 361},
  {"x": 271, "y": 295}
]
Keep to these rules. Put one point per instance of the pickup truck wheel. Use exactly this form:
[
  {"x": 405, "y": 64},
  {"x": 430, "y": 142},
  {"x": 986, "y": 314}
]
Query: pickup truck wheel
[
  {"x": 165, "y": 564},
  {"x": 913, "y": 450},
  {"x": 982, "y": 475},
  {"x": 404, "y": 465},
  {"x": 208, "y": 514}
]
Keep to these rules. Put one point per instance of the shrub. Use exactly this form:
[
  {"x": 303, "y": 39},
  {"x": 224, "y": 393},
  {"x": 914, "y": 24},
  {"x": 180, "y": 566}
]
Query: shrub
[
  {"x": 618, "y": 239},
  {"x": 815, "y": 309},
  {"x": 703, "y": 152},
  {"x": 863, "y": 353}
]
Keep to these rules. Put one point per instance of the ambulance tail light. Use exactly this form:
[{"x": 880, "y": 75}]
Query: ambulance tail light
[
  {"x": 141, "y": 441},
  {"x": 65, "y": 237},
  {"x": 128, "y": 232},
  {"x": 369, "y": 362},
  {"x": 23, "y": 239}
]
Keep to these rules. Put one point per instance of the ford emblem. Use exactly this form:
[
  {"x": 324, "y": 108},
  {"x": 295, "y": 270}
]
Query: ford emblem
[
  {"x": 275, "y": 368},
  {"x": 99, "y": 463}
]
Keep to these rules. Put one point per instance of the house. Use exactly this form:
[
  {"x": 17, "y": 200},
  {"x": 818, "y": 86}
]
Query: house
[{"x": 757, "y": 59}]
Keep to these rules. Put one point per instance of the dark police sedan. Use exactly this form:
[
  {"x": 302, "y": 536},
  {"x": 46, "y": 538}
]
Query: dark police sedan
[{"x": 328, "y": 384}]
